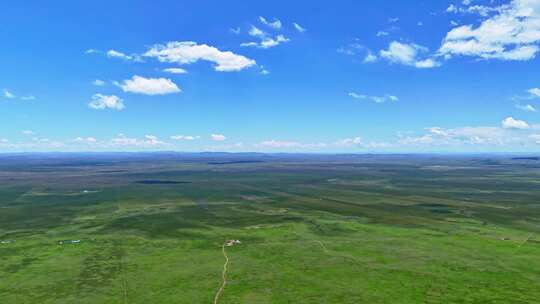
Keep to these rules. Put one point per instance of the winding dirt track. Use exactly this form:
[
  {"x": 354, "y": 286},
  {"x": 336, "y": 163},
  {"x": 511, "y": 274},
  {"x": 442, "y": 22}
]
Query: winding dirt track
[{"x": 223, "y": 275}]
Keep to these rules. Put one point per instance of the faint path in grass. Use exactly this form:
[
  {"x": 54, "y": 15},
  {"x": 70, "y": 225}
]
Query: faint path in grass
[
  {"x": 322, "y": 245},
  {"x": 124, "y": 283},
  {"x": 523, "y": 243},
  {"x": 223, "y": 275}
]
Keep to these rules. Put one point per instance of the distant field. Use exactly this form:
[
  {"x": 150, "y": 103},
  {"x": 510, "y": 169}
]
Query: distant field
[{"x": 149, "y": 228}]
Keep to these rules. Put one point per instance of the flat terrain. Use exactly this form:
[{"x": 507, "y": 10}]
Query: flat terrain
[{"x": 150, "y": 228}]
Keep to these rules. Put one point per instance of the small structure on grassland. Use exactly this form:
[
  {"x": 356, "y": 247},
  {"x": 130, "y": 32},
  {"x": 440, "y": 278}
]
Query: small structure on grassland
[
  {"x": 69, "y": 242},
  {"x": 230, "y": 243}
]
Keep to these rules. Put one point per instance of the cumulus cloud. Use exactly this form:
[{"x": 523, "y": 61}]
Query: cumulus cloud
[
  {"x": 187, "y": 52},
  {"x": 299, "y": 28},
  {"x": 175, "y": 71},
  {"x": 101, "y": 102},
  {"x": 218, "y": 137},
  {"x": 408, "y": 54},
  {"x": 27, "y": 132},
  {"x": 512, "y": 123},
  {"x": 149, "y": 86},
  {"x": 376, "y": 99},
  {"x": 513, "y": 33},
  {"x": 276, "y": 24}
]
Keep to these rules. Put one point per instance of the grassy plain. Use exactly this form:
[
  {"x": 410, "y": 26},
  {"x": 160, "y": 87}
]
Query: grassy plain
[{"x": 149, "y": 228}]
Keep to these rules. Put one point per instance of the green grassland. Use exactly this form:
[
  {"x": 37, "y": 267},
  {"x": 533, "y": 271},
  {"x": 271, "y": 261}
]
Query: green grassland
[{"x": 149, "y": 228}]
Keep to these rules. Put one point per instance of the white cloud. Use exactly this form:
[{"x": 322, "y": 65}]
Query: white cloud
[
  {"x": 527, "y": 107},
  {"x": 8, "y": 94},
  {"x": 299, "y": 28},
  {"x": 264, "y": 71},
  {"x": 91, "y": 51},
  {"x": 117, "y": 54},
  {"x": 376, "y": 99},
  {"x": 535, "y": 92},
  {"x": 266, "y": 41},
  {"x": 88, "y": 140},
  {"x": 100, "y": 102},
  {"x": 27, "y": 132},
  {"x": 276, "y": 144},
  {"x": 187, "y": 52},
  {"x": 511, "y": 123},
  {"x": 276, "y": 24},
  {"x": 370, "y": 58},
  {"x": 28, "y": 97},
  {"x": 408, "y": 54},
  {"x": 184, "y": 137},
  {"x": 347, "y": 142},
  {"x": 148, "y": 140},
  {"x": 535, "y": 137},
  {"x": 382, "y": 33},
  {"x": 511, "y": 34},
  {"x": 120, "y": 55},
  {"x": 437, "y": 136},
  {"x": 256, "y": 32},
  {"x": 149, "y": 86},
  {"x": 416, "y": 140},
  {"x": 218, "y": 137},
  {"x": 175, "y": 71},
  {"x": 98, "y": 82}
]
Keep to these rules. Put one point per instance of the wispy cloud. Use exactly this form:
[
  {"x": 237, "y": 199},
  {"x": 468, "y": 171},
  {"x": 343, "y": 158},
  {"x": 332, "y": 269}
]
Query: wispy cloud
[
  {"x": 299, "y": 28},
  {"x": 218, "y": 137},
  {"x": 175, "y": 71},
  {"x": 184, "y": 137},
  {"x": 266, "y": 41},
  {"x": 8, "y": 94},
  {"x": 98, "y": 82},
  {"x": 275, "y": 24},
  {"x": 408, "y": 54},
  {"x": 376, "y": 99},
  {"x": 101, "y": 102}
]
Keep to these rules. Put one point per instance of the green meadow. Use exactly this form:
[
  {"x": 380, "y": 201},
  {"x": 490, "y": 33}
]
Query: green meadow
[{"x": 151, "y": 228}]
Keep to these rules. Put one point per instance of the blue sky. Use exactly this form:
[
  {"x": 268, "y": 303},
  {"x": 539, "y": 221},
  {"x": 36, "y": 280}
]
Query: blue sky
[{"x": 280, "y": 76}]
